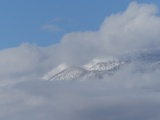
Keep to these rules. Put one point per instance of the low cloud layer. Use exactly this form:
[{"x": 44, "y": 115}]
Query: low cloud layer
[{"x": 125, "y": 95}]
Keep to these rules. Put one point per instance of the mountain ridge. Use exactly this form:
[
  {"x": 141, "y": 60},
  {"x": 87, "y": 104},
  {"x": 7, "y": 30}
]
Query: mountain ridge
[{"x": 98, "y": 67}]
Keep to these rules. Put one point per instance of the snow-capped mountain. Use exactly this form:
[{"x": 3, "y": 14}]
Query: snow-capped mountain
[
  {"x": 97, "y": 68},
  {"x": 69, "y": 73},
  {"x": 55, "y": 71}
]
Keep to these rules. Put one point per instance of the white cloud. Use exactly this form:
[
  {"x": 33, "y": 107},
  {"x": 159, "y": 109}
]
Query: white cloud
[
  {"x": 136, "y": 28},
  {"x": 52, "y": 28},
  {"x": 53, "y": 25},
  {"x": 126, "y": 95}
]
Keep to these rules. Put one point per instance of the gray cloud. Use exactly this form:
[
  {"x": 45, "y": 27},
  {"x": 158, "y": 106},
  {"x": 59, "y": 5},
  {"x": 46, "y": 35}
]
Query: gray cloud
[{"x": 125, "y": 95}]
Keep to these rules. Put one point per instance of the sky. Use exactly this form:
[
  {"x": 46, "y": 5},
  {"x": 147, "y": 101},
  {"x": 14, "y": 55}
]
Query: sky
[
  {"x": 81, "y": 33},
  {"x": 45, "y": 22}
]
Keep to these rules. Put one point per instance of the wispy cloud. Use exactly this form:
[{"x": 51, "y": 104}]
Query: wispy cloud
[
  {"x": 52, "y": 28},
  {"x": 53, "y": 25}
]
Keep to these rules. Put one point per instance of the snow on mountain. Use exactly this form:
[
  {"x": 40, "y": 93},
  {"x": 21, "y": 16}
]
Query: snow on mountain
[
  {"x": 93, "y": 69},
  {"x": 103, "y": 66},
  {"x": 55, "y": 71},
  {"x": 98, "y": 67},
  {"x": 97, "y": 60},
  {"x": 69, "y": 73}
]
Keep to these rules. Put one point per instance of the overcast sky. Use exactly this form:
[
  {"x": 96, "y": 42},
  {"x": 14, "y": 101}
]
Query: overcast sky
[{"x": 82, "y": 33}]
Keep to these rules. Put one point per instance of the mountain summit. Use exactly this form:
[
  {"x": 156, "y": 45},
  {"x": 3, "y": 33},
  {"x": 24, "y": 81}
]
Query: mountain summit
[
  {"x": 97, "y": 68},
  {"x": 94, "y": 69}
]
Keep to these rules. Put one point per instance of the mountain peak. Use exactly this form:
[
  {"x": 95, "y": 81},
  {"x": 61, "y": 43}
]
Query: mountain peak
[
  {"x": 98, "y": 67},
  {"x": 55, "y": 71}
]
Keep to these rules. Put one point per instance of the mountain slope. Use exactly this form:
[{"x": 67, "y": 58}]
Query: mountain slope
[
  {"x": 55, "y": 71},
  {"x": 84, "y": 72},
  {"x": 97, "y": 68}
]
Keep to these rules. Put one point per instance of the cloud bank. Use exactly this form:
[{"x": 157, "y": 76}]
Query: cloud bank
[{"x": 126, "y": 95}]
